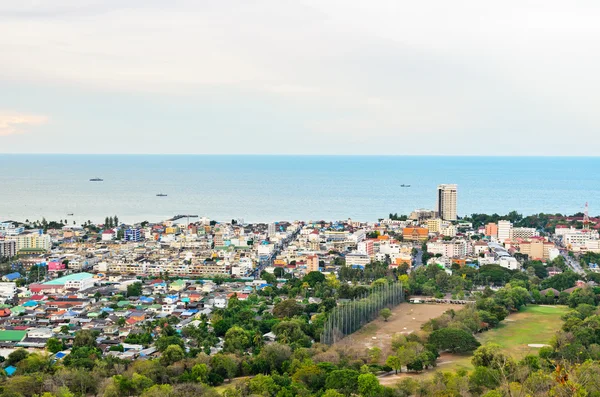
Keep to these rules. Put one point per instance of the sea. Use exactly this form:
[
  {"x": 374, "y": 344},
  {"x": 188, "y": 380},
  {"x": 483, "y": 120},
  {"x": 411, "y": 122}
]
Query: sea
[{"x": 268, "y": 188}]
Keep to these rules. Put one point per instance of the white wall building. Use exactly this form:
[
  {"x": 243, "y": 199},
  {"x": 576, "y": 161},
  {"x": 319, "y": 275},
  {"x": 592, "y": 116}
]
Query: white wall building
[
  {"x": 8, "y": 290},
  {"x": 446, "y": 201},
  {"x": 509, "y": 262},
  {"x": 504, "y": 231},
  {"x": 580, "y": 238},
  {"x": 524, "y": 232},
  {"x": 357, "y": 259}
]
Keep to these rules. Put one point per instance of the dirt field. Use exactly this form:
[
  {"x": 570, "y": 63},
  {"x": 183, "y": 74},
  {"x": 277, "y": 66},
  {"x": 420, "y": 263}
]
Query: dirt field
[{"x": 406, "y": 318}]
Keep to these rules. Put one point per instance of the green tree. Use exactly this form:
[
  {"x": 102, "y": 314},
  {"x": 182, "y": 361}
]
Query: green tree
[
  {"x": 54, "y": 345},
  {"x": 171, "y": 355},
  {"x": 84, "y": 338},
  {"x": 454, "y": 340},
  {"x": 16, "y": 356},
  {"x": 236, "y": 340},
  {"x": 394, "y": 363},
  {"x": 268, "y": 277},
  {"x": 368, "y": 386},
  {"x": 385, "y": 313},
  {"x": 313, "y": 278},
  {"x": 344, "y": 381},
  {"x": 226, "y": 365},
  {"x": 263, "y": 385},
  {"x": 287, "y": 308}
]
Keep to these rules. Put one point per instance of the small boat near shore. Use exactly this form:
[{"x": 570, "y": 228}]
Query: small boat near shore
[
  {"x": 96, "y": 179},
  {"x": 161, "y": 195}
]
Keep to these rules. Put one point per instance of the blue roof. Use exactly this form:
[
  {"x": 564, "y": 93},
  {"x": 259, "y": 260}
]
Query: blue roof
[
  {"x": 13, "y": 276},
  {"x": 30, "y": 303},
  {"x": 10, "y": 370},
  {"x": 60, "y": 355},
  {"x": 107, "y": 309},
  {"x": 146, "y": 299}
]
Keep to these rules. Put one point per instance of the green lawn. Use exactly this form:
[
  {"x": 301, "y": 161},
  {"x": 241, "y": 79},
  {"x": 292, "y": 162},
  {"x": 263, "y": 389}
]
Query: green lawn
[{"x": 531, "y": 325}]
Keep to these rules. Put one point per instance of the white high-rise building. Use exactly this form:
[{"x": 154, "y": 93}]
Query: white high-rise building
[
  {"x": 504, "y": 231},
  {"x": 271, "y": 229},
  {"x": 446, "y": 202}
]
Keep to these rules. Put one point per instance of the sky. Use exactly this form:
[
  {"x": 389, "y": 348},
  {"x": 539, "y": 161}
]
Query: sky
[{"x": 389, "y": 77}]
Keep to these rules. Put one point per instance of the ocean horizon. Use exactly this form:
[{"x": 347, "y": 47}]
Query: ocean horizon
[{"x": 266, "y": 188}]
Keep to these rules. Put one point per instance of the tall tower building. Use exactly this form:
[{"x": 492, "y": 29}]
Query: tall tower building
[
  {"x": 446, "y": 202},
  {"x": 504, "y": 230}
]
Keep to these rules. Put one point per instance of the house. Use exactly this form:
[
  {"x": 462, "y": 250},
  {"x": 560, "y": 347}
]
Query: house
[
  {"x": 11, "y": 276},
  {"x": 220, "y": 301},
  {"x": 108, "y": 235},
  {"x": 553, "y": 271},
  {"x": 544, "y": 292}
]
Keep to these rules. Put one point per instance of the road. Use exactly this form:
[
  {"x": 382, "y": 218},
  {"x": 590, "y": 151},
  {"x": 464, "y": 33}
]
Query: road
[
  {"x": 571, "y": 262},
  {"x": 418, "y": 260}
]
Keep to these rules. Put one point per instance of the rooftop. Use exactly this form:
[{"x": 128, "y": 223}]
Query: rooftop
[
  {"x": 12, "y": 336},
  {"x": 70, "y": 277}
]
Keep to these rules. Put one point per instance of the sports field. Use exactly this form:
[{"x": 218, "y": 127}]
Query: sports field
[
  {"x": 406, "y": 318},
  {"x": 533, "y": 325}
]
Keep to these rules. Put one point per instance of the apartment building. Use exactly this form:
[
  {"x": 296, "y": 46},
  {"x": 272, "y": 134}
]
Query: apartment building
[
  {"x": 491, "y": 229},
  {"x": 446, "y": 201},
  {"x": 8, "y": 248},
  {"x": 504, "y": 230},
  {"x": 31, "y": 240},
  {"x": 524, "y": 232}
]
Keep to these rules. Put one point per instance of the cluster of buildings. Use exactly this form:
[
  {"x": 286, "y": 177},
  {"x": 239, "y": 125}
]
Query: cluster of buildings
[
  {"x": 58, "y": 308},
  {"x": 83, "y": 273}
]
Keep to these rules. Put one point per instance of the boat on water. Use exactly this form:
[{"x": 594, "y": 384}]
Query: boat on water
[
  {"x": 404, "y": 185},
  {"x": 96, "y": 179},
  {"x": 69, "y": 214},
  {"x": 161, "y": 195}
]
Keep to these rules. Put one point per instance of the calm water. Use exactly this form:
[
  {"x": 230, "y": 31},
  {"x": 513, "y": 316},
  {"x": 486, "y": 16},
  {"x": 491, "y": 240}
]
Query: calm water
[{"x": 267, "y": 188}]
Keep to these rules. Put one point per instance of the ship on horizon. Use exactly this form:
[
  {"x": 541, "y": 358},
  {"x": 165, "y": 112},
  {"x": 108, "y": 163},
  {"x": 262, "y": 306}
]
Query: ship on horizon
[
  {"x": 96, "y": 179},
  {"x": 161, "y": 195}
]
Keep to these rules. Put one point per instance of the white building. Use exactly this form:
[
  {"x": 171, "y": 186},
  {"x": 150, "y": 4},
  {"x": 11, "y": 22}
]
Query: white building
[
  {"x": 448, "y": 231},
  {"x": 504, "y": 231},
  {"x": 446, "y": 202},
  {"x": 509, "y": 262},
  {"x": 357, "y": 259},
  {"x": 108, "y": 235},
  {"x": 9, "y": 229},
  {"x": 449, "y": 249},
  {"x": 579, "y": 238},
  {"x": 524, "y": 232},
  {"x": 8, "y": 290},
  {"x": 553, "y": 253}
]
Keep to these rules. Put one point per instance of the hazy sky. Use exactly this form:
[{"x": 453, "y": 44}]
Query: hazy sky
[{"x": 303, "y": 76}]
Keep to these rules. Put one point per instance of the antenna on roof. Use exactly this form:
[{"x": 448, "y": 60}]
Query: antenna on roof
[{"x": 586, "y": 218}]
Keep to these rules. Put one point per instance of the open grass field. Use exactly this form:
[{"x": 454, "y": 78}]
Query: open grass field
[
  {"x": 406, "y": 318},
  {"x": 533, "y": 325}
]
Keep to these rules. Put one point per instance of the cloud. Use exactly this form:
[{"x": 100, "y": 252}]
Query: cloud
[{"x": 12, "y": 123}]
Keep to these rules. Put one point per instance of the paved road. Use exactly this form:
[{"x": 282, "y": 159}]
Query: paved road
[
  {"x": 418, "y": 261},
  {"x": 573, "y": 264}
]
